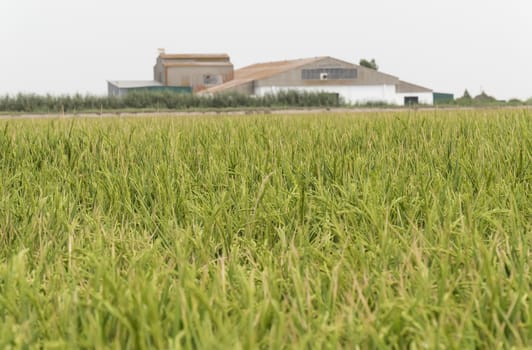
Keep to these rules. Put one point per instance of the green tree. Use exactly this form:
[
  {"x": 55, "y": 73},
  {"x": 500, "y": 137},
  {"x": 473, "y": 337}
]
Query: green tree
[
  {"x": 369, "y": 64},
  {"x": 484, "y": 98},
  {"x": 466, "y": 99},
  {"x": 516, "y": 102}
]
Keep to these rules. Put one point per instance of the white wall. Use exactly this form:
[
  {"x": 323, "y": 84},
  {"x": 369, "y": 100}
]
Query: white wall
[
  {"x": 426, "y": 98},
  {"x": 113, "y": 90},
  {"x": 350, "y": 94}
]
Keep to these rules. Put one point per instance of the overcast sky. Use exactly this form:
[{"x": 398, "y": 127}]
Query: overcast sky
[{"x": 69, "y": 46}]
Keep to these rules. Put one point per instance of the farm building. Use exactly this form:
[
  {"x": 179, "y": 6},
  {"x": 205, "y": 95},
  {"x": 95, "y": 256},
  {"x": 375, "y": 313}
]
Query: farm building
[
  {"x": 121, "y": 88},
  {"x": 442, "y": 98},
  {"x": 181, "y": 73},
  {"x": 353, "y": 83},
  {"x": 213, "y": 73},
  {"x": 198, "y": 71}
]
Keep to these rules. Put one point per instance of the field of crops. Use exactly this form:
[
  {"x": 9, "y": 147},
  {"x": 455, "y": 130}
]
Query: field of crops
[{"x": 393, "y": 229}]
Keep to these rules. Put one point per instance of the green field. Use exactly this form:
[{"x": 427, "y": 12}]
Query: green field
[{"x": 378, "y": 230}]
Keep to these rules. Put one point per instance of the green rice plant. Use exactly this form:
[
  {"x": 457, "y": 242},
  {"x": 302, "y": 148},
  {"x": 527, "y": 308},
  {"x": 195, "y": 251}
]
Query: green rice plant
[{"x": 336, "y": 230}]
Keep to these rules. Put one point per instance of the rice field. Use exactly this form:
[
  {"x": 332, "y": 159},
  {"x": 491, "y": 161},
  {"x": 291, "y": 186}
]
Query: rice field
[{"x": 333, "y": 230}]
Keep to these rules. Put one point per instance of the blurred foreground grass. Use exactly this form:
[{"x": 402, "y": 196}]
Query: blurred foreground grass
[{"x": 406, "y": 230}]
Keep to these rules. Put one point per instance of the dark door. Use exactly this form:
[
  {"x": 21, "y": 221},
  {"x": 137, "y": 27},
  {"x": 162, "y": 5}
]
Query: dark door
[{"x": 411, "y": 100}]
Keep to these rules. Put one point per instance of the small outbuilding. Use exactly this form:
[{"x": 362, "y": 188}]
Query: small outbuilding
[
  {"x": 198, "y": 71},
  {"x": 412, "y": 94},
  {"x": 119, "y": 88},
  {"x": 442, "y": 98}
]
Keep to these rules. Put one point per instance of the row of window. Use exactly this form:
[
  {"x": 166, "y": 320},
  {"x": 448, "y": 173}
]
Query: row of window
[{"x": 329, "y": 74}]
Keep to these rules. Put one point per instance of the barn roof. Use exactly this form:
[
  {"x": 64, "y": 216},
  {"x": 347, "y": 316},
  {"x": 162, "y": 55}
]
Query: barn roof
[
  {"x": 261, "y": 71},
  {"x": 405, "y": 87},
  {"x": 195, "y": 56},
  {"x": 128, "y": 84},
  {"x": 198, "y": 64}
]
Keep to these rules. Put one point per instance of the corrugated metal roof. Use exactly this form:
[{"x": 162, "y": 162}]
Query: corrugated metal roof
[
  {"x": 134, "y": 83},
  {"x": 405, "y": 87},
  {"x": 265, "y": 70},
  {"x": 193, "y": 56},
  {"x": 261, "y": 71}
]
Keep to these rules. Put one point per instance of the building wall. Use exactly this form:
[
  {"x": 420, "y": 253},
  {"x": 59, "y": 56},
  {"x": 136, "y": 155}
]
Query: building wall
[
  {"x": 195, "y": 76},
  {"x": 113, "y": 90},
  {"x": 350, "y": 94},
  {"x": 159, "y": 72},
  {"x": 423, "y": 97},
  {"x": 442, "y": 98},
  {"x": 116, "y": 91}
]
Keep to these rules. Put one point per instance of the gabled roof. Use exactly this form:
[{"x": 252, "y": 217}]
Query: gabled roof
[
  {"x": 405, "y": 87},
  {"x": 198, "y": 64},
  {"x": 194, "y": 56},
  {"x": 134, "y": 83},
  {"x": 261, "y": 71},
  {"x": 265, "y": 70}
]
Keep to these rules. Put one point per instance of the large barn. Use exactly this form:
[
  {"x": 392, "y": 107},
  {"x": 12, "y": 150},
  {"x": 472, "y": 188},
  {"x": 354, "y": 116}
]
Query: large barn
[{"x": 353, "y": 83}]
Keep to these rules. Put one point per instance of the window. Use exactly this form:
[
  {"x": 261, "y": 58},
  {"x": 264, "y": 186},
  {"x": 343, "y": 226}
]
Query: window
[
  {"x": 210, "y": 79},
  {"x": 329, "y": 74}
]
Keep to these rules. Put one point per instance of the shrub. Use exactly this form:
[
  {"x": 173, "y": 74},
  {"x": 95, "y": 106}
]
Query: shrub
[{"x": 31, "y": 103}]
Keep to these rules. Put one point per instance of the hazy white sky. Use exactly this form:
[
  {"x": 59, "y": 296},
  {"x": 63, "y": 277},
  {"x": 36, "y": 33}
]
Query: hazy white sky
[{"x": 68, "y": 46}]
